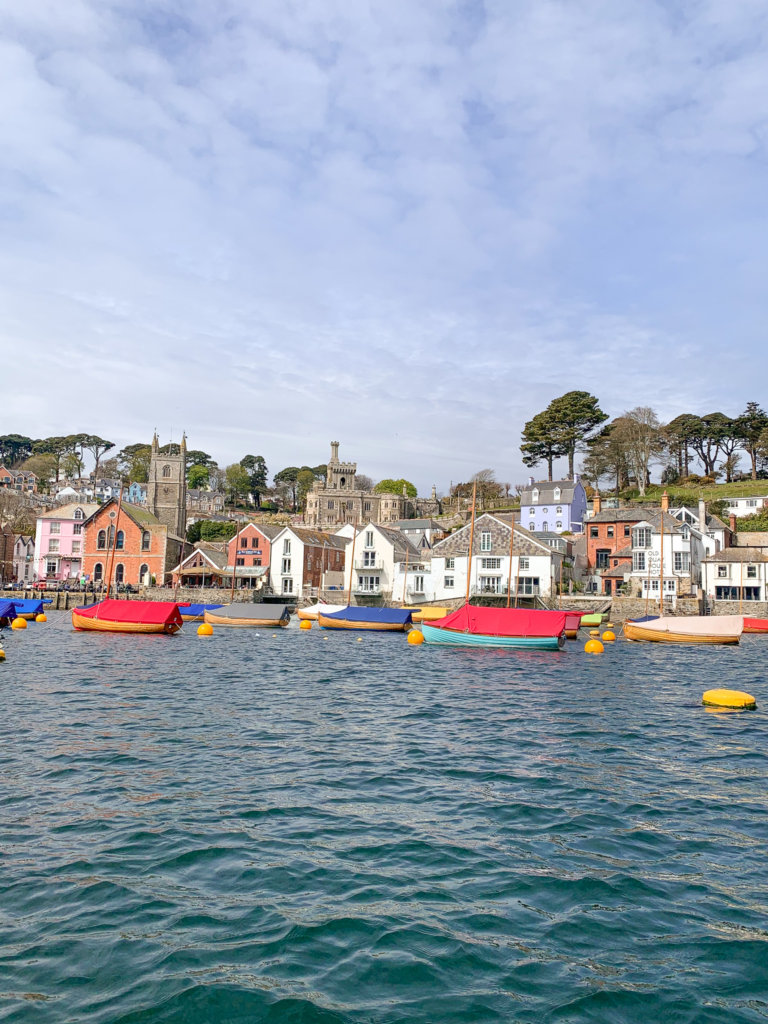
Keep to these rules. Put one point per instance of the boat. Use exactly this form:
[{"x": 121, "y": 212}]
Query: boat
[
  {"x": 591, "y": 619},
  {"x": 510, "y": 628},
  {"x": 7, "y": 612},
  {"x": 572, "y": 624},
  {"x": 195, "y": 612},
  {"x": 115, "y": 616},
  {"x": 246, "y": 615},
  {"x": 755, "y": 625},
  {"x": 28, "y": 608},
  {"x": 686, "y": 629},
  {"x": 428, "y": 614},
  {"x": 383, "y": 620},
  {"x": 312, "y": 611}
]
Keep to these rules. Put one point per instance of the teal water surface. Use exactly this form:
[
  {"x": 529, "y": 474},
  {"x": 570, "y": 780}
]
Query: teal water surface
[{"x": 310, "y": 828}]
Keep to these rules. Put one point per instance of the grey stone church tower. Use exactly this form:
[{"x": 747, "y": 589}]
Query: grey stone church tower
[{"x": 167, "y": 486}]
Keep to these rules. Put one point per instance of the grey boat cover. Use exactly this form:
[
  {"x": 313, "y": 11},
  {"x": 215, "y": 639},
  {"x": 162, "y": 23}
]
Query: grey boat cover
[{"x": 273, "y": 612}]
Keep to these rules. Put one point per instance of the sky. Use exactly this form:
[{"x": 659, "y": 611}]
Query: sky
[{"x": 404, "y": 226}]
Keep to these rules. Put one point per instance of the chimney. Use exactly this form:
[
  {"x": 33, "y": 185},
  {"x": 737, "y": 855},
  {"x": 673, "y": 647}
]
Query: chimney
[
  {"x": 530, "y": 481},
  {"x": 732, "y": 522},
  {"x": 702, "y": 515},
  {"x": 665, "y": 502},
  {"x": 597, "y": 502}
]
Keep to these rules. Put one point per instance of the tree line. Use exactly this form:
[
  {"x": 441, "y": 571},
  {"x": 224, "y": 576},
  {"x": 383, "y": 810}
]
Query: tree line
[{"x": 624, "y": 449}]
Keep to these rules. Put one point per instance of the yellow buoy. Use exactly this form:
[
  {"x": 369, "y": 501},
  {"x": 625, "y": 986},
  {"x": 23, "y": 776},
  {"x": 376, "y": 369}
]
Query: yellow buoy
[
  {"x": 593, "y": 647},
  {"x": 19, "y": 623},
  {"x": 609, "y": 625},
  {"x": 359, "y": 639},
  {"x": 42, "y": 617},
  {"x": 415, "y": 637},
  {"x": 608, "y": 636},
  {"x": 305, "y": 624},
  {"x": 205, "y": 629},
  {"x": 729, "y": 699},
  {"x": 2, "y": 654},
  {"x": 594, "y": 632}
]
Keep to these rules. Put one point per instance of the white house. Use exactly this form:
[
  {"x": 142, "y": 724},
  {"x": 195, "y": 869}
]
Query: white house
[
  {"x": 380, "y": 553},
  {"x": 683, "y": 550},
  {"x": 535, "y": 566},
  {"x": 714, "y": 533},
  {"x": 747, "y": 506},
  {"x": 303, "y": 562},
  {"x": 736, "y": 574}
]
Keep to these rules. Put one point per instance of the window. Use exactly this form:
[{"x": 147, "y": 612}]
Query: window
[
  {"x": 110, "y": 537},
  {"x": 75, "y": 547},
  {"x": 557, "y": 494},
  {"x": 594, "y": 531},
  {"x": 369, "y": 584},
  {"x": 627, "y": 530},
  {"x": 286, "y": 566},
  {"x": 343, "y": 481},
  {"x": 366, "y": 506},
  {"x": 119, "y": 572},
  {"x": 752, "y": 502},
  {"x": 418, "y": 585},
  {"x": 559, "y": 510},
  {"x": 545, "y": 526},
  {"x": 726, "y": 593},
  {"x": 77, "y": 528},
  {"x": 50, "y": 568},
  {"x": 288, "y": 585},
  {"x": 146, "y": 540},
  {"x": 448, "y": 582},
  {"x": 532, "y": 512},
  {"x": 751, "y": 593},
  {"x": 286, "y": 546},
  {"x": 350, "y": 505},
  {"x": 722, "y": 571},
  {"x": 120, "y": 542},
  {"x": 257, "y": 561},
  {"x": 525, "y": 564},
  {"x": 490, "y": 584},
  {"x": 490, "y": 563},
  {"x": 686, "y": 533},
  {"x": 529, "y": 585},
  {"x": 485, "y": 541},
  {"x": 682, "y": 561},
  {"x": 545, "y": 510},
  {"x": 53, "y": 544},
  {"x": 558, "y": 525},
  {"x": 638, "y": 561},
  {"x": 79, "y": 514},
  {"x": 239, "y": 561},
  {"x": 751, "y": 572},
  {"x": 602, "y": 556},
  {"x": 535, "y": 496},
  {"x": 609, "y": 531},
  {"x": 166, "y": 470},
  {"x": 450, "y": 563},
  {"x": 98, "y": 572},
  {"x": 369, "y": 559},
  {"x": 330, "y": 503},
  {"x": 143, "y": 573},
  {"x": 369, "y": 538},
  {"x": 642, "y": 537},
  {"x": 55, "y": 527}
]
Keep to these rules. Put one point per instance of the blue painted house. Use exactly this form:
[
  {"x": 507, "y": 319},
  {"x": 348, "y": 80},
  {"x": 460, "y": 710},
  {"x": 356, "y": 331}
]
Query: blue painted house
[
  {"x": 556, "y": 506},
  {"x": 136, "y": 494}
]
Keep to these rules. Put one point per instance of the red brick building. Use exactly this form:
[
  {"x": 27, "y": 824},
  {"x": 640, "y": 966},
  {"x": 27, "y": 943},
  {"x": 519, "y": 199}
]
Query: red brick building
[
  {"x": 609, "y": 543},
  {"x": 252, "y": 545},
  {"x": 132, "y": 545}
]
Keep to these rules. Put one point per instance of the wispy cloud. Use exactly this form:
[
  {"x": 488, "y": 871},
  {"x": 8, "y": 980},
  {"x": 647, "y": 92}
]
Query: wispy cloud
[{"x": 408, "y": 226}]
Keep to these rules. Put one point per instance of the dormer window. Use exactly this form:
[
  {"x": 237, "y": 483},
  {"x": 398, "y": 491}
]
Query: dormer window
[
  {"x": 79, "y": 514},
  {"x": 535, "y": 496},
  {"x": 557, "y": 494}
]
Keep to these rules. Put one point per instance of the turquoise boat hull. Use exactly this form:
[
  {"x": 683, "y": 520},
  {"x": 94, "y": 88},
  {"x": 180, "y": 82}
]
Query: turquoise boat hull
[{"x": 454, "y": 638}]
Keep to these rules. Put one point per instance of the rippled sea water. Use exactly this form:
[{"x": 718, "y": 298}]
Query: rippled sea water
[{"x": 308, "y": 828}]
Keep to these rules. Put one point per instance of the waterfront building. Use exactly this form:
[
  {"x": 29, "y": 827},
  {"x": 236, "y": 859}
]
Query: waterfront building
[
  {"x": 740, "y": 507},
  {"x": 59, "y": 542},
  {"x": 535, "y": 565},
  {"x": 380, "y": 555},
  {"x": 24, "y": 557},
  {"x": 422, "y": 533},
  {"x": 683, "y": 552},
  {"x": 138, "y": 549},
  {"x": 339, "y": 500},
  {"x": 714, "y": 533},
  {"x": 736, "y": 574},
  {"x": 303, "y": 562},
  {"x": 558, "y": 506}
]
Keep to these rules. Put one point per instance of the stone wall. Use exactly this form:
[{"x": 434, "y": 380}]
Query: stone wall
[
  {"x": 635, "y": 607},
  {"x": 753, "y": 609}
]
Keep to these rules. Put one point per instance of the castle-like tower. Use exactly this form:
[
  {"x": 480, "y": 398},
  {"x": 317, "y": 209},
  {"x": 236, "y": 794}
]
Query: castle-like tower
[
  {"x": 340, "y": 475},
  {"x": 167, "y": 486}
]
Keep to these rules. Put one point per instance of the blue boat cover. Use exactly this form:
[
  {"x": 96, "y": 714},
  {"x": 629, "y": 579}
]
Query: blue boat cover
[
  {"x": 7, "y": 610},
  {"x": 29, "y": 606},
  {"x": 389, "y": 615},
  {"x": 196, "y": 609}
]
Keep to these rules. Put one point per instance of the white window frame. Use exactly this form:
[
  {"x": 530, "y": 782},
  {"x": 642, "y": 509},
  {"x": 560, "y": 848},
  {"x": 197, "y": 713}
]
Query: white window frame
[{"x": 486, "y": 541}]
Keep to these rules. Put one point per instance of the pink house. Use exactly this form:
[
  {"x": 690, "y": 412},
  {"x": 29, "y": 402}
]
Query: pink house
[{"x": 59, "y": 541}]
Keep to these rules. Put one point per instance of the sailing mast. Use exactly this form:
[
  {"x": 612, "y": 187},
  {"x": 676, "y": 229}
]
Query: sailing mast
[
  {"x": 511, "y": 546},
  {"x": 661, "y": 565},
  {"x": 405, "y": 581},
  {"x": 116, "y": 527},
  {"x": 351, "y": 565},
  {"x": 234, "y": 566},
  {"x": 471, "y": 542}
]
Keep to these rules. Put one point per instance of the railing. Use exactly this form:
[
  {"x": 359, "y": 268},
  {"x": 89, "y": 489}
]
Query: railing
[
  {"x": 370, "y": 591},
  {"x": 378, "y": 564}
]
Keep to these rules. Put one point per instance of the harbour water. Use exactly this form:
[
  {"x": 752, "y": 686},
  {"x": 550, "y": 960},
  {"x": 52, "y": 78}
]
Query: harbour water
[{"x": 308, "y": 828}]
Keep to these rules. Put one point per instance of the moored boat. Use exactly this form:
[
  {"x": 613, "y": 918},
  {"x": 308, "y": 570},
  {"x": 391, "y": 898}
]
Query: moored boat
[
  {"x": 382, "y": 620},
  {"x": 686, "y": 629},
  {"x": 572, "y": 624},
  {"x": 28, "y": 608},
  {"x": 254, "y": 616},
  {"x": 195, "y": 612},
  {"x": 312, "y": 611},
  {"x": 428, "y": 613},
  {"x": 511, "y": 628},
  {"x": 755, "y": 625},
  {"x": 592, "y": 619},
  {"x": 116, "y": 616},
  {"x": 7, "y": 612}
]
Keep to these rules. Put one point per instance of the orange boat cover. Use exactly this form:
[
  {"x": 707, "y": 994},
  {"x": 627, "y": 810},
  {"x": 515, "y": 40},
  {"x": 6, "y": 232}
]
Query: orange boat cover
[
  {"x": 503, "y": 621},
  {"x": 146, "y": 612}
]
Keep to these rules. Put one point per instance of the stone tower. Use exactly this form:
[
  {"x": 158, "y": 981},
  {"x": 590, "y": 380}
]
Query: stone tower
[
  {"x": 167, "y": 486},
  {"x": 341, "y": 475}
]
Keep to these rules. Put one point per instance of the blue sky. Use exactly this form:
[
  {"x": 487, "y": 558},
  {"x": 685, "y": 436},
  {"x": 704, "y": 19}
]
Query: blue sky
[{"x": 403, "y": 226}]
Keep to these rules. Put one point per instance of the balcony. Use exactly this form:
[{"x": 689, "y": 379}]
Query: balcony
[
  {"x": 359, "y": 591},
  {"x": 376, "y": 566}
]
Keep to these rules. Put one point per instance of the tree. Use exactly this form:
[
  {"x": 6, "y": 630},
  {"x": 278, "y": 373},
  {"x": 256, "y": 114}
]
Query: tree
[
  {"x": 257, "y": 476},
  {"x": 390, "y": 486},
  {"x": 14, "y": 448},
  {"x": 575, "y": 416},
  {"x": 362, "y": 482},
  {"x": 540, "y": 443},
  {"x": 111, "y": 468},
  {"x": 97, "y": 446},
  {"x": 71, "y": 465},
  {"x": 305, "y": 482},
  {"x": 195, "y": 457},
  {"x": 198, "y": 476},
  {"x": 287, "y": 482},
  {"x": 712, "y": 436},
  {"x": 639, "y": 433},
  {"x": 54, "y": 446},
  {"x": 680, "y": 433},
  {"x": 237, "y": 481},
  {"x": 749, "y": 427},
  {"x": 133, "y": 462},
  {"x": 43, "y": 465}
]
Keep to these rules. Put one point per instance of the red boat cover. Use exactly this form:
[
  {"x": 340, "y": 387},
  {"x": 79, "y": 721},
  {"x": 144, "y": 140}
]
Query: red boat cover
[
  {"x": 154, "y": 612},
  {"x": 503, "y": 621},
  {"x": 572, "y": 619},
  {"x": 759, "y": 624}
]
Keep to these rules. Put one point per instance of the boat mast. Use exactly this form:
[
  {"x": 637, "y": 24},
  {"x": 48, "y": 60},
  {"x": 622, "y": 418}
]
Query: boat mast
[
  {"x": 111, "y": 561},
  {"x": 234, "y": 565},
  {"x": 741, "y": 584},
  {"x": 661, "y": 566},
  {"x": 511, "y": 546},
  {"x": 405, "y": 581},
  {"x": 471, "y": 542},
  {"x": 351, "y": 565}
]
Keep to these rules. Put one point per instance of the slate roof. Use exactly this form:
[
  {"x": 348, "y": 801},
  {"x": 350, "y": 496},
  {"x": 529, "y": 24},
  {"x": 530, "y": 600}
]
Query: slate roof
[
  {"x": 751, "y": 539},
  {"x": 617, "y": 570},
  {"x": 546, "y": 489},
  {"x": 416, "y": 524},
  {"x": 67, "y": 511},
  {"x": 315, "y": 538},
  {"x": 738, "y": 555},
  {"x": 618, "y": 515}
]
